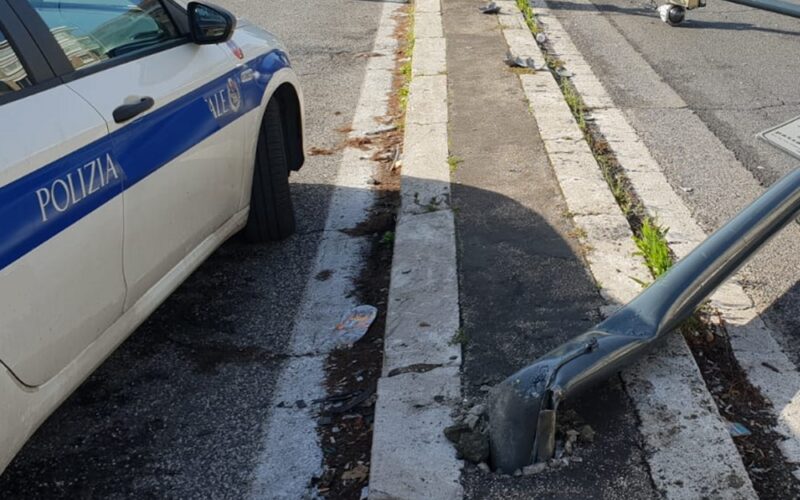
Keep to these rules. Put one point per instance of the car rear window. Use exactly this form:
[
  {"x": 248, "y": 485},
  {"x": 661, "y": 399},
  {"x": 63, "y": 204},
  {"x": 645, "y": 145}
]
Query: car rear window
[
  {"x": 13, "y": 76},
  {"x": 92, "y": 31}
]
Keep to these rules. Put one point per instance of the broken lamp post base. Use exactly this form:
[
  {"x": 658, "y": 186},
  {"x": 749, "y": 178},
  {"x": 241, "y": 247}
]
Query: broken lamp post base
[{"x": 522, "y": 408}]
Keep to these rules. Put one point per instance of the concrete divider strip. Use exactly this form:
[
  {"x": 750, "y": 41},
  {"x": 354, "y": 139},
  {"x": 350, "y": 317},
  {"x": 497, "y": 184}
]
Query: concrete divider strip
[
  {"x": 421, "y": 384},
  {"x": 689, "y": 449}
]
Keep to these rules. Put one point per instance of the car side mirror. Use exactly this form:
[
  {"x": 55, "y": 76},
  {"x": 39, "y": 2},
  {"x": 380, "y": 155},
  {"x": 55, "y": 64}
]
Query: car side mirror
[{"x": 209, "y": 24}]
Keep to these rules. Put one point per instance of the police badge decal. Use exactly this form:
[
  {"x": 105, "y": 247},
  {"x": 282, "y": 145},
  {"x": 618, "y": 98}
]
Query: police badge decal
[{"x": 234, "y": 96}]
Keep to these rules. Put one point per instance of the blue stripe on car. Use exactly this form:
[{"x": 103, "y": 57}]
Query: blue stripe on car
[{"x": 134, "y": 152}]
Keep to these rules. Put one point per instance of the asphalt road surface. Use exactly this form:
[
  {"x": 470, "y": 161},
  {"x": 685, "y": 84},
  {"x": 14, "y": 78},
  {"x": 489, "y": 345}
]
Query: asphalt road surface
[
  {"x": 698, "y": 94},
  {"x": 178, "y": 411}
]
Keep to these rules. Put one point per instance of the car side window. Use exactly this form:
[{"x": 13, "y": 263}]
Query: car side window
[
  {"x": 13, "y": 76},
  {"x": 92, "y": 31}
]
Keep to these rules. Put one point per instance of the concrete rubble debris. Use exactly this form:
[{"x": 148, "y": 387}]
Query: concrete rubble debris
[
  {"x": 523, "y": 62},
  {"x": 470, "y": 435},
  {"x": 533, "y": 469},
  {"x": 587, "y": 434},
  {"x": 490, "y": 8}
]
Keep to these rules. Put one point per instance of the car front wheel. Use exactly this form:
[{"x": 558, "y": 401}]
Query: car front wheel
[{"x": 271, "y": 213}]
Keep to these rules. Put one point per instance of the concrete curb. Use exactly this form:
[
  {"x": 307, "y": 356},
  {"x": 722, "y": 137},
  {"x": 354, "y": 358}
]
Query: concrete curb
[
  {"x": 421, "y": 383},
  {"x": 690, "y": 452},
  {"x": 752, "y": 341}
]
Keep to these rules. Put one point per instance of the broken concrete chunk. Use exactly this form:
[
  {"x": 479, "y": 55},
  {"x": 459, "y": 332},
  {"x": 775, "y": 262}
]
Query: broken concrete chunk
[
  {"x": 569, "y": 444},
  {"x": 532, "y": 469},
  {"x": 477, "y": 410},
  {"x": 523, "y": 62},
  {"x": 454, "y": 432},
  {"x": 474, "y": 446},
  {"x": 587, "y": 434},
  {"x": 490, "y": 8}
]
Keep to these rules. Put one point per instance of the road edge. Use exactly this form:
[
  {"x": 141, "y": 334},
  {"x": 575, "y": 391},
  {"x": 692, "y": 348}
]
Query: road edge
[
  {"x": 689, "y": 449},
  {"x": 753, "y": 343},
  {"x": 421, "y": 381}
]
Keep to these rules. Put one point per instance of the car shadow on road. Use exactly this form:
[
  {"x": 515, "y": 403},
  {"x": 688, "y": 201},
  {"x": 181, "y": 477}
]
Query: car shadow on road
[{"x": 179, "y": 410}]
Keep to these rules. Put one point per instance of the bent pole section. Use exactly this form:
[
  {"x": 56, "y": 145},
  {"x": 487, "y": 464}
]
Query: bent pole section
[{"x": 522, "y": 408}]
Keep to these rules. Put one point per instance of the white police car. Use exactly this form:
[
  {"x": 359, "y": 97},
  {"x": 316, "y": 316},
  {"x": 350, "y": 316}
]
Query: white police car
[{"x": 135, "y": 137}]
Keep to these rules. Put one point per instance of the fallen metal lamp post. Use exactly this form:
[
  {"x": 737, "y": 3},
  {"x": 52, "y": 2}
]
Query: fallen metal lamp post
[
  {"x": 777, "y": 6},
  {"x": 522, "y": 408},
  {"x": 674, "y": 12}
]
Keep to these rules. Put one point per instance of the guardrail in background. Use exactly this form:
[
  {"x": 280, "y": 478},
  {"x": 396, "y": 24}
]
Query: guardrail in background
[{"x": 522, "y": 408}]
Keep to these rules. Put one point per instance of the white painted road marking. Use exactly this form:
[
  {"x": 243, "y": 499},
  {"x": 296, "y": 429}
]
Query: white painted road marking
[{"x": 290, "y": 453}]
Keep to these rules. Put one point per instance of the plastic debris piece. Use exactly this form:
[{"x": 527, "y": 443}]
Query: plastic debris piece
[
  {"x": 354, "y": 324},
  {"x": 541, "y": 37},
  {"x": 738, "y": 430},
  {"x": 490, "y": 8},
  {"x": 564, "y": 73}
]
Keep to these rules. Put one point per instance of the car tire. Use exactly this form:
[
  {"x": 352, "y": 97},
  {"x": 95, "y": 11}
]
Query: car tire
[{"x": 271, "y": 213}]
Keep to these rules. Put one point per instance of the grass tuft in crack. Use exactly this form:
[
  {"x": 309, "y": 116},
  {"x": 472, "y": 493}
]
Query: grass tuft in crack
[
  {"x": 652, "y": 244},
  {"x": 575, "y": 103},
  {"x": 459, "y": 338},
  {"x": 454, "y": 161},
  {"x": 530, "y": 19},
  {"x": 405, "y": 68},
  {"x": 387, "y": 238}
]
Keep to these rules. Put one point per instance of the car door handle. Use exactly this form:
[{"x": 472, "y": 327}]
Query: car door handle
[{"x": 128, "y": 111}]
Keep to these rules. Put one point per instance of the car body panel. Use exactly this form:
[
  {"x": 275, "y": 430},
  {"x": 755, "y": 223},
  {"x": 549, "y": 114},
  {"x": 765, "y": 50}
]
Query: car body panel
[
  {"x": 173, "y": 198},
  {"x": 169, "y": 220},
  {"x": 24, "y": 408},
  {"x": 58, "y": 198}
]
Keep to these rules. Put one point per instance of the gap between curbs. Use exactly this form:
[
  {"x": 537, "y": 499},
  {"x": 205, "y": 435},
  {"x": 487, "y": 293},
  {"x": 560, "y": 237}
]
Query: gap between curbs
[{"x": 346, "y": 415}]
